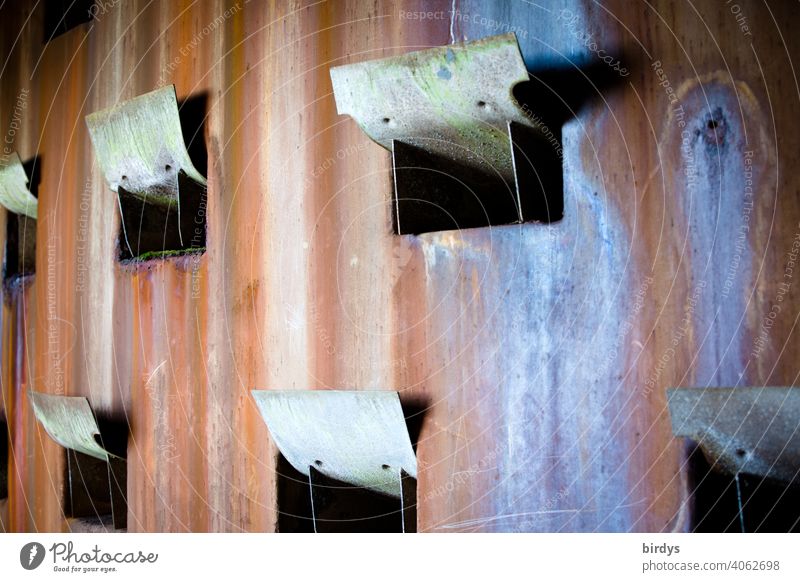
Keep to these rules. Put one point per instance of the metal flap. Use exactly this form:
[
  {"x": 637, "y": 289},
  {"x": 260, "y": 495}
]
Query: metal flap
[
  {"x": 70, "y": 422},
  {"x": 14, "y": 193},
  {"x": 454, "y": 101},
  {"x": 140, "y": 147},
  {"x": 353, "y": 436},
  {"x": 748, "y": 430}
]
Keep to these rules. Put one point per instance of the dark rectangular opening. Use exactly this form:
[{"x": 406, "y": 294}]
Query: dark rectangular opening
[
  {"x": 294, "y": 499},
  {"x": 432, "y": 193},
  {"x": 95, "y": 491},
  {"x": 757, "y": 504},
  {"x": 154, "y": 228},
  {"x": 63, "y": 15},
  {"x": 20, "y": 252},
  {"x": 3, "y": 458},
  {"x": 20, "y": 255},
  {"x": 539, "y": 172},
  {"x": 339, "y": 507}
]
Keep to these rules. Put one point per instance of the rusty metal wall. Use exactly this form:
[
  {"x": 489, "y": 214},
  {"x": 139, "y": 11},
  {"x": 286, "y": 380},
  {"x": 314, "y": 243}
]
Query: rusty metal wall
[{"x": 538, "y": 355}]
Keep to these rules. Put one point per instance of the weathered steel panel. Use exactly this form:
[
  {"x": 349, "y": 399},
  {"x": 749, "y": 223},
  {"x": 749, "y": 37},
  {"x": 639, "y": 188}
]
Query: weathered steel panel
[{"x": 537, "y": 358}]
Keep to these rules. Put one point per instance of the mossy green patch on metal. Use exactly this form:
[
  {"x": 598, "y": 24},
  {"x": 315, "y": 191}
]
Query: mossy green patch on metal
[{"x": 151, "y": 255}]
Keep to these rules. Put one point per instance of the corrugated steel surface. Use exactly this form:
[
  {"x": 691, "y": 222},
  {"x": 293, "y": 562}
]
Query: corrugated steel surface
[{"x": 540, "y": 355}]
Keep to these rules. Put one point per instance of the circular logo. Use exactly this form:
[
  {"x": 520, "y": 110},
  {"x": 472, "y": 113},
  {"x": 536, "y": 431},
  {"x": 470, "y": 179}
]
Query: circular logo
[{"x": 31, "y": 555}]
